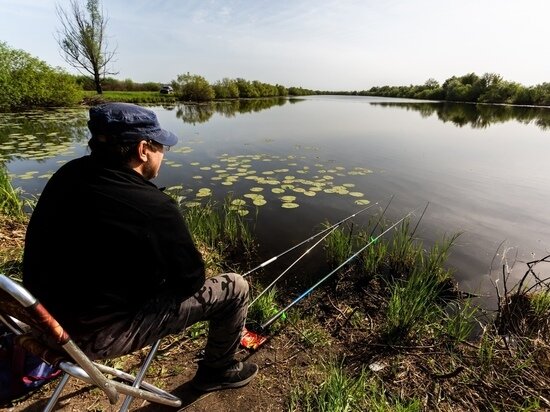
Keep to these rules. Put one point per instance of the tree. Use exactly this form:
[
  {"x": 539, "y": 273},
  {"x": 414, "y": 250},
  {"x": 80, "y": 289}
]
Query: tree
[
  {"x": 27, "y": 82},
  {"x": 83, "y": 41},
  {"x": 226, "y": 89},
  {"x": 193, "y": 87}
]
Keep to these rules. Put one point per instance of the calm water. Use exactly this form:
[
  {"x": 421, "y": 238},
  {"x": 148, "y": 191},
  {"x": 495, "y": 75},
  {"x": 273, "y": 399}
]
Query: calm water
[{"x": 484, "y": 171}]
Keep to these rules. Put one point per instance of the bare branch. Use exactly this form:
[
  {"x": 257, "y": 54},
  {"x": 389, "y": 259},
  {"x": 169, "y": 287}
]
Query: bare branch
[{"x": 82, "y": 40}]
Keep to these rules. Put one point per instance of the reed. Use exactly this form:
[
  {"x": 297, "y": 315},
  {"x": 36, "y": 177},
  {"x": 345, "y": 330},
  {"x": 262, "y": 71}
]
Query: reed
[
  {"x": 338, "y": 392},
  {"x": 11, "y": 203},
  {"x": 221, "y": 230},
  {"x": 379, "y": 401},
  {"x": 412, "y": 305},
  {"x": 416, "y": 298},
  {"x": 540, "y": 304},
  {"x": 458, "y": 324},
  {"x": 339, "y": 245},
  {"x": 264, "y": 308}
]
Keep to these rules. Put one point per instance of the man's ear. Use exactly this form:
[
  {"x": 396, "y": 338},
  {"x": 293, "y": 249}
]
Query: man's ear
[{"x": 142, "y": 150}]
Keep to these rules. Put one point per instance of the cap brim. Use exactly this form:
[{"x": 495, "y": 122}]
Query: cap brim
[{"x": 166, "y": 138}]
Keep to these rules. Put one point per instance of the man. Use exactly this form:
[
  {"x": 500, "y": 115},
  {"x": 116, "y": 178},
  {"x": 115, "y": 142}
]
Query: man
[{"x": 110, "y": 256}]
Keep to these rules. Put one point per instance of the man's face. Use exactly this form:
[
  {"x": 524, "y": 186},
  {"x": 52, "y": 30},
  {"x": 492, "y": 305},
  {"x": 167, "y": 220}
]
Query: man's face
[{"x": 155, "y": 154}]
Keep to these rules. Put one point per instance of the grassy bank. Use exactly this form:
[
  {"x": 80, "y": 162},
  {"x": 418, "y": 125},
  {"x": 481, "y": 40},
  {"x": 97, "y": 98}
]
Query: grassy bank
[
  {"x": 90, "y": 97},
  {"x": 388, "y": 332}
]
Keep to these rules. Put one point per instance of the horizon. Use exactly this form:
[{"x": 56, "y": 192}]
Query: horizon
[{"x": 329, "y": 46}]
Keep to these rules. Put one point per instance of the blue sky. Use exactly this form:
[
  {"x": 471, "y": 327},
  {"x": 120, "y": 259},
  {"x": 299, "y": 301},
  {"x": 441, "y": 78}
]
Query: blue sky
[{"x": 317, "y": 44}]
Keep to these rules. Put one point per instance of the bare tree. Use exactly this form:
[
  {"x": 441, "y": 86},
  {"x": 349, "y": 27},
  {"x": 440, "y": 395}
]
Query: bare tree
[{"x": 82, "y": 40}]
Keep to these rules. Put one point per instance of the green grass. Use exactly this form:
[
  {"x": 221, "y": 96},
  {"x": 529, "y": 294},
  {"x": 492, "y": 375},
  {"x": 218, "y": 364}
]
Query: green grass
[
  {"x": 263, "y": 309},
  {"x": 415, "y": 278},
  {"x": 379, "y": 401},
  {"x": 131, "y": 97},
  {"x": 221, "y": 230},
  {"x": 416, "y": 298},
  {"x": 412, "y": 305},
  {"x": 339, "y": 245},
  {"x": 540, "y": 304},
  {"x": 312, "y": 334},
  {"x": 338, "y": 392},
  {"x": 458, "y": 323},
  {"x": 11, "y": 203}
]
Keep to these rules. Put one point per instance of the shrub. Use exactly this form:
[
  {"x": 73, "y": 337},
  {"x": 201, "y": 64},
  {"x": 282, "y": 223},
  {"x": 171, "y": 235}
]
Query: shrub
[{"x": 27, "y": 82}]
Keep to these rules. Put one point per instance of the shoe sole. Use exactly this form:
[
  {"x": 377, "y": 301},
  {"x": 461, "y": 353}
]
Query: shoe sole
[{"x": 221, "y": 386}]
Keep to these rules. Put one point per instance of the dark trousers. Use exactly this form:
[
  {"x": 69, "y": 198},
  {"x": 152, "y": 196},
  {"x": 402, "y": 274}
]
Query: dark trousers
[{"x": 223, "y": 301}]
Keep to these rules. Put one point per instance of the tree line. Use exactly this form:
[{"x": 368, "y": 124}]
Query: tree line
[
  {"x": 27, "y": 81},
  {"x": 471, "y": 88}
]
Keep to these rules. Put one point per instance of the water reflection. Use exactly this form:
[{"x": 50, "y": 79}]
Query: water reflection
[
  {"x": 478, "y": 116},
  {"x": 201, "y": 113},
  {"x": 40, "y": 135}
]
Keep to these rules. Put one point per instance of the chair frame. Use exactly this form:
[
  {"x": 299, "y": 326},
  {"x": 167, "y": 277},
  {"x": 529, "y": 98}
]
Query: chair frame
[{"x": 20, "y": 310}]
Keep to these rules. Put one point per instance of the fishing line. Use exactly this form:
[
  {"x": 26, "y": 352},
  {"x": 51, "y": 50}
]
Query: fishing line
[
  {"x": 274, "y": 258},
  {"x": 291, "y": 265},
  {"x": 307, "y": 292},
  {"x": 330, "y": 230}
]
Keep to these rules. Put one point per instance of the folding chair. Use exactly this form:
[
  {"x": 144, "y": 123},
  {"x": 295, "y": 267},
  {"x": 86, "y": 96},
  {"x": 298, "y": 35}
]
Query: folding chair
[{"x": 31, "y": 322}]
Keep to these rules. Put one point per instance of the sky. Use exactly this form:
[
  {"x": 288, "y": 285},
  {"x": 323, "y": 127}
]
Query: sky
[{"x": 316, "y": 44}]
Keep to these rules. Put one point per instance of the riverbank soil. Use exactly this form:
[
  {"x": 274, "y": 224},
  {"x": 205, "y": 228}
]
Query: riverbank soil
[{"x": 341, "y": 322}]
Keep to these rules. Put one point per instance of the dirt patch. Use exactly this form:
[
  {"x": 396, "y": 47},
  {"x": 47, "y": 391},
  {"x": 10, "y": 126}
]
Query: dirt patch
[{"x": 283, "y": 363}]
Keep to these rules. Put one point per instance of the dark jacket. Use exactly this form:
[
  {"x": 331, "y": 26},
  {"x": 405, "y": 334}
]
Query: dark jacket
[{"x": 102, "y": 241}]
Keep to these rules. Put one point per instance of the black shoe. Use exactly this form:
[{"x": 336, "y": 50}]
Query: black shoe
[{"x": 237, "y": 374}]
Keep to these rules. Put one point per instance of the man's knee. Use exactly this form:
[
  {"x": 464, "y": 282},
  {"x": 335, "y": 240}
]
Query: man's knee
[{"x": 241, "y": 285}]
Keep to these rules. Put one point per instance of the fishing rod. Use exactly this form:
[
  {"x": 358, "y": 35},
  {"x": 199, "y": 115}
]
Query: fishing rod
[
  {"x": 274, "y": 258},
  {"x": 292, "y": 264},
  {"x": 307, "y": 292},
  {"x": 332, "y": 229}
]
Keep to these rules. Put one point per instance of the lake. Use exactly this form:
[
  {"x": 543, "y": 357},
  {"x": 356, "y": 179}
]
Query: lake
[{"x": 483, "y": 170}]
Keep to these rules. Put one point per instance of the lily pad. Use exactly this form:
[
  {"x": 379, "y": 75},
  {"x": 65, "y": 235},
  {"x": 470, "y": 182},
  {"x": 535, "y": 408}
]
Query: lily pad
[{"x": 288, "y": 198}]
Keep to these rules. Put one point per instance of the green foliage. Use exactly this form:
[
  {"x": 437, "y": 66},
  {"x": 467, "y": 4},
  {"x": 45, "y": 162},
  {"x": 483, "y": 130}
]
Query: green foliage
[
  {"x": 489, "y": 88},
  {"x": 11, "y": 204},
  {"x": 226, "y": 89},
  {"x": 540, "y": 304},
  {"x": 112, "y": 84},
  {"x": 131, "y": 97},
  {"x": 338, "y": 245},
  {"x": 28, "y": 82},
  {"x": 196, "y": 330},
  {"x": 263, "y": 309},
  {"x": 487, "y": 350},
  {"x": 338, "y": 392},
  {"x": 459, "y": 325},
  {"x": 222, "y": 230},
  {"x": 312, "y": 334},
  {"x": 192, "y": 87},
  {"x": 412, "y": 305},
  {"x": 373, "y": 257},
  {"x": 379, "y": 401}
]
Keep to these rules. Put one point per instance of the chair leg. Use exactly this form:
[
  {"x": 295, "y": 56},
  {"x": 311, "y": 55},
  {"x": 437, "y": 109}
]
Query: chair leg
[
  {"x": 59, "y": 388},
  {"x": 140, "y": 375}
]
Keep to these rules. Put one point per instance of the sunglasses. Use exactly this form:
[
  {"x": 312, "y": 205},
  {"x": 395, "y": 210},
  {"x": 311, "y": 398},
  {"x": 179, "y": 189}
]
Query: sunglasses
[{"x": 151, "y": 142}]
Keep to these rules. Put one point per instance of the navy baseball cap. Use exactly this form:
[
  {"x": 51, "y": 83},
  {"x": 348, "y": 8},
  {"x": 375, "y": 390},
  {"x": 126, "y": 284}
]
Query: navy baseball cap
[{"x": 128, "y": 123}]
